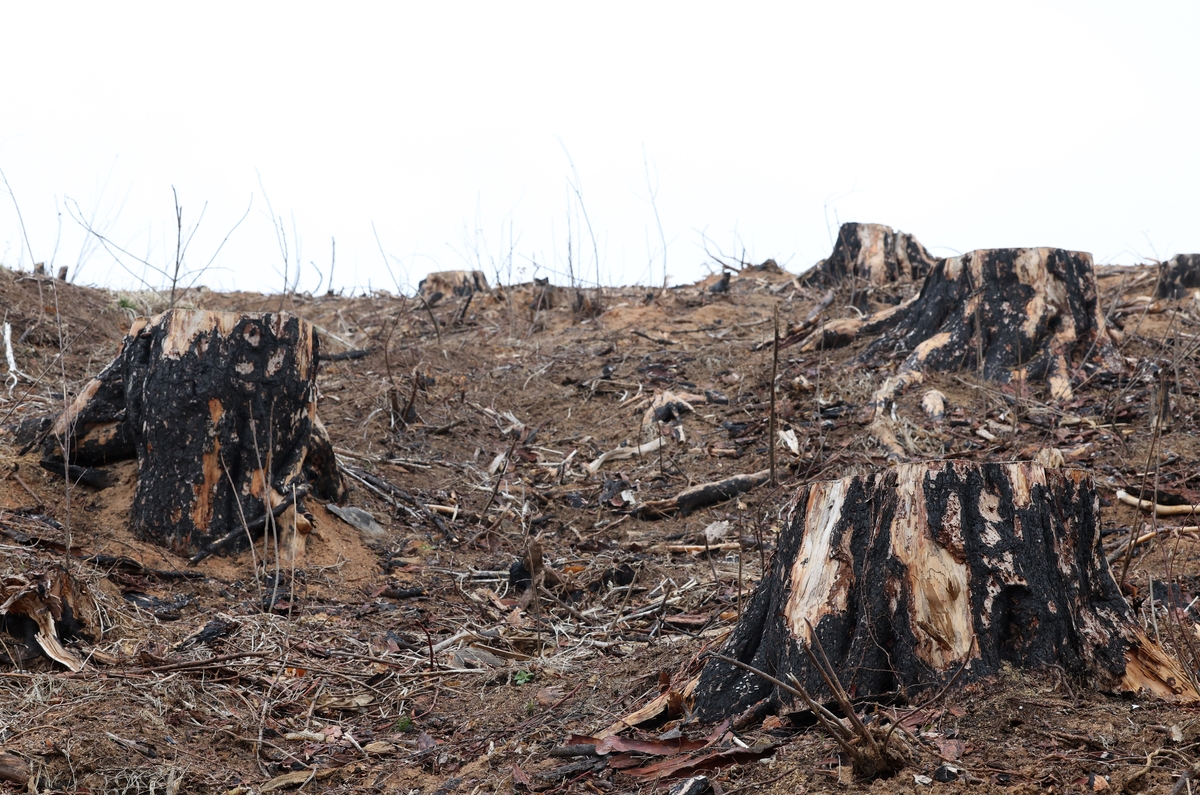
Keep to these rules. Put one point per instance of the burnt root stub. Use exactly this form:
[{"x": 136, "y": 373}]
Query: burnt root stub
[
  {"x": 871, "y": 256},
  {"x": 220, "y": 410},
  {"x": 1177, "y": 276},
  {"x": 40, "y": 610},
  {"x": 1028, "y": 314},
  {"x": 913, "y": 573}
]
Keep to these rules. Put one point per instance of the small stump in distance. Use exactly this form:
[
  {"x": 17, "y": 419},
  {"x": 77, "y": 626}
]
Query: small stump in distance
[
  {"x": 1177, "y": 276},
  {"x": 870, "y": 257},
  {"x": 925, "y": 572},
  {"x": 220, "y": 410},
  {"x": 1011, "y": 314}
]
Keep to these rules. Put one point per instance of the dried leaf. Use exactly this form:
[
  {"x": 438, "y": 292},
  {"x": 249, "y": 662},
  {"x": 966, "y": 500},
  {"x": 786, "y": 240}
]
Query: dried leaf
[{"x": 293, "y": 779}]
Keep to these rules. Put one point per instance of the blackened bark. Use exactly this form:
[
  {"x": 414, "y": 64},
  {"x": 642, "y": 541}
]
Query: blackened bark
[
  {"x": 220, "y": 410},
  {"x": 911, "y": 574},
  {"x": 1178, "y": 275}
]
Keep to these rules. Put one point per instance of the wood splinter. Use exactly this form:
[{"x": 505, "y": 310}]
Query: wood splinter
[{"x": 1158, "y": 508}]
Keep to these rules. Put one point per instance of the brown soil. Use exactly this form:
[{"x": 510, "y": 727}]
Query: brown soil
[{"x": 411, "y": 663}]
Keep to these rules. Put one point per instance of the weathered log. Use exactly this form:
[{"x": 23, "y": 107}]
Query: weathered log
[
  {"x": 871, "y": 256},
  {"x": 1028, "y": 314},
  {"x": 702, "y": 494},
  {"x": 926, "y": 572},
  {"x": 1177, "y": 276},
  {"x": 220, "y": 410}
]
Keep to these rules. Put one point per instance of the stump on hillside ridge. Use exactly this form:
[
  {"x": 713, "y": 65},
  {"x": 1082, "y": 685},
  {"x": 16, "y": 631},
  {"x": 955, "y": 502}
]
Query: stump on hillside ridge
[
  {"x": 220, "y": 410},
  {"x": 924, "y": 572},
  {"x": 1178, "y": 275},
  {"x": 871, "y": 256},
  {"x": 1025, "y": 314}
]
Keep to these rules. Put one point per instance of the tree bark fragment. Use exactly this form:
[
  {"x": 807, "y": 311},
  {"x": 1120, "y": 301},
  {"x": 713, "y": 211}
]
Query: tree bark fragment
[{"x": 41, "y": 609}]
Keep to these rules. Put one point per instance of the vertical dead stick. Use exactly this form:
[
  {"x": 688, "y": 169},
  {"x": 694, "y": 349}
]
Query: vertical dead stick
[{"x": 774, "y": 372}]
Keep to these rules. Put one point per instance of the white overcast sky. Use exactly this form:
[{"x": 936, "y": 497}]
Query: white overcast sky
[{"x": 452, "y": 128}]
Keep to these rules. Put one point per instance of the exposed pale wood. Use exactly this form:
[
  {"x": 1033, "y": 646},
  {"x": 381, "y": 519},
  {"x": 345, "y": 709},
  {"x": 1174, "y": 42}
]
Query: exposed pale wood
[
  {"x": 1158, "y": 509},
  {"x": 42, "y": 608}
]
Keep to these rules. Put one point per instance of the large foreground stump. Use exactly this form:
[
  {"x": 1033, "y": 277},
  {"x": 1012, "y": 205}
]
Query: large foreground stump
[
  {"x": 220, "y": 410},
  {"x": 924, "y": 572}
]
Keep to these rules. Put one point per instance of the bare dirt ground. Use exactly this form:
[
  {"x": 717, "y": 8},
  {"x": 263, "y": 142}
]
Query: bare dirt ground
[{"x": 418, "y": 660}]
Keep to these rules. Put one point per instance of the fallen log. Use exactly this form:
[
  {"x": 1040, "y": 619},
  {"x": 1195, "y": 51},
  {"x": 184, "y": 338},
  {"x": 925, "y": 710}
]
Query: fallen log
[
  {"x": 622, "y": 453},
  {"x": 13, "y": 769},
  {"x": 702, "y": 494},
  {"x": 926, "y": 573},
  {"x": 220, "y": 410},
  {"x": 1157, "y": 508}
]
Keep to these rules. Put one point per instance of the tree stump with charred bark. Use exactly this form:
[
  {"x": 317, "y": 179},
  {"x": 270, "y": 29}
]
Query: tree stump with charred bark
[
  {"x": 870, "y": 256},
  {"x": 1178, "y": 275},
  {"x": 220, "y": 410},
  {"x": 923, "y": 573},
  {"x": 1024, "y": 314}
]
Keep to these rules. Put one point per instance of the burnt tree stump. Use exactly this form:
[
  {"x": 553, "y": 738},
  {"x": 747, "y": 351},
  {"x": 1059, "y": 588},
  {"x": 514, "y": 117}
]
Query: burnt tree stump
[
  {"x": 1177, "y": 276},
  {"x": 1024, "y": 314},
  {"x": 220, "y": 410},
  {"x": 925, "y": 572},
  {"x": 869, "y": 257}
]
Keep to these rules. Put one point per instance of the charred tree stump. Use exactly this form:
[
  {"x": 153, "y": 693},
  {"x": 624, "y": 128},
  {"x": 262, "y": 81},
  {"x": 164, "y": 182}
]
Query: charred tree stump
[
  {"x": 1028, "y": 314},
  {"x": 220, "y": 410},
  {"x": 926, "y": 572},
  {"x": 1178, "y": 275},
  {"x": 870, "y": 256}
]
